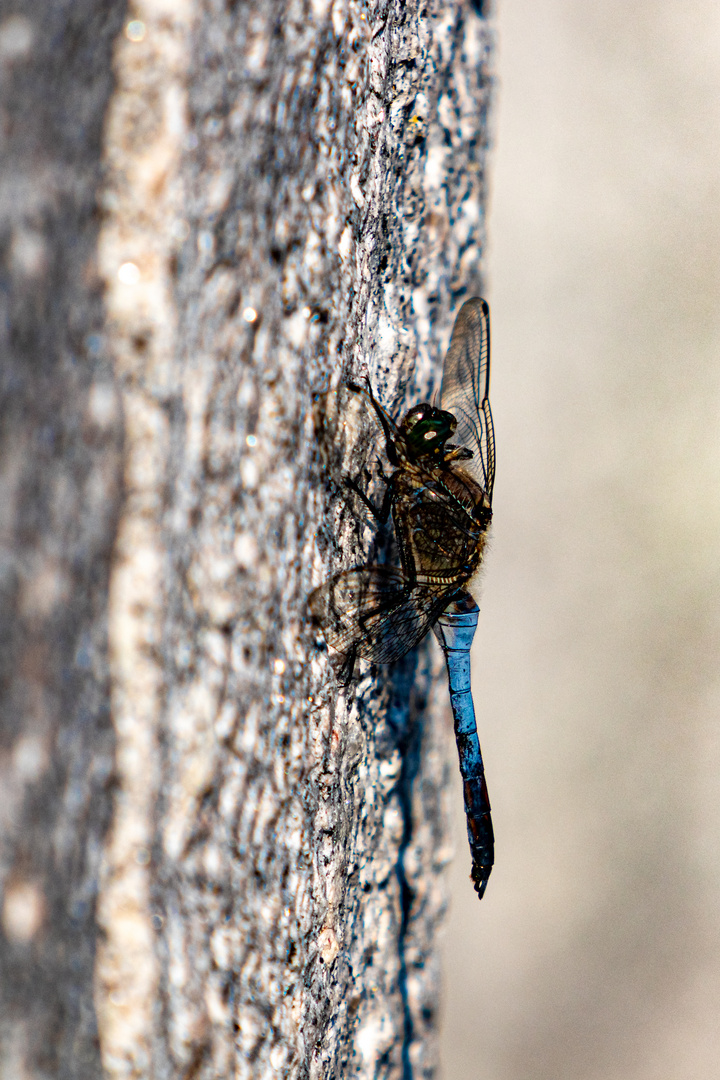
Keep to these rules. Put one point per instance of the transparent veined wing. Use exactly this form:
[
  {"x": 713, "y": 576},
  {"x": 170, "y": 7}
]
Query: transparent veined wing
[
  {"x": 375, "y": 612},
  {"x": 465, "y": 390}
]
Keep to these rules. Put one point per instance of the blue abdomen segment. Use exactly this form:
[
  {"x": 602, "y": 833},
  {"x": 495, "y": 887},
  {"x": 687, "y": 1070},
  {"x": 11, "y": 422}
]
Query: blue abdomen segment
[{"x": 455, "y": 630}]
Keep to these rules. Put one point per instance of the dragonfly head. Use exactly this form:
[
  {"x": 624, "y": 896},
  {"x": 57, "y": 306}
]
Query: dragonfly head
[{"x": 425, "y": 430}]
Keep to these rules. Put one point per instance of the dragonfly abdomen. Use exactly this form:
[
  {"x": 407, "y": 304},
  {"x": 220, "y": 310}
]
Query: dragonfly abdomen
[
  {"x": 480, "y": 831},
  {"x": 454, "y": 630}
]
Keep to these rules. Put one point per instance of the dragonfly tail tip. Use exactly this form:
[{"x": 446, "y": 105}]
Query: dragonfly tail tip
[{"x": 479, "y": 877}]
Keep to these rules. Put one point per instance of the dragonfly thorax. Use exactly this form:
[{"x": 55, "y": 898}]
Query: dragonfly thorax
[{"x": 425, "y": 430}]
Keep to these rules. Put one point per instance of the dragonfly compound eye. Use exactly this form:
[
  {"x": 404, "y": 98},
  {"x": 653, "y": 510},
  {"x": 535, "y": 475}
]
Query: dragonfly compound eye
[
  {"x": 415, "y": 416},
  {"x": 426, "y": 429}
]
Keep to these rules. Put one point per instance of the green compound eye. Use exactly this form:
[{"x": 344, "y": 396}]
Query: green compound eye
[
  {"x": 426, "y": 429},
  {"x": 425, "y": 434}
]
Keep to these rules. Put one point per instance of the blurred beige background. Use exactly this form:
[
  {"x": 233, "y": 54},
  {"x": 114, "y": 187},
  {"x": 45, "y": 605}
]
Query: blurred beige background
[{"x": 596, "y": 952}]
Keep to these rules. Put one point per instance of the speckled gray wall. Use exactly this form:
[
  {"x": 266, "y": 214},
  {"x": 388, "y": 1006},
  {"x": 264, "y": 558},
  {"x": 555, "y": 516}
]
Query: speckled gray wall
[{"x": 294, "y": 193}]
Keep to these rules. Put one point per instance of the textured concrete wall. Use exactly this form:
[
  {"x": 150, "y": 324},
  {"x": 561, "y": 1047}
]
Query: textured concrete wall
[
  {"x": 294, "y": 194},
  {"x": 209, "y": 214}
]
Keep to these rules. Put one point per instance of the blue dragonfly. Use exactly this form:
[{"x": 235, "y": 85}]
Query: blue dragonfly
[{"x": 440, "y": 498}]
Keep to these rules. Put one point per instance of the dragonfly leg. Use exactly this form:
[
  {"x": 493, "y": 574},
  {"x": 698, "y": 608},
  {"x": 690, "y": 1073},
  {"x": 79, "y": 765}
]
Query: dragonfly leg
[
  {"x": 381, "y": 473},
  {"x": 383, "y": 513},
  {"x": 388, "y": 425},
  {"x": 344, "y": 673}
]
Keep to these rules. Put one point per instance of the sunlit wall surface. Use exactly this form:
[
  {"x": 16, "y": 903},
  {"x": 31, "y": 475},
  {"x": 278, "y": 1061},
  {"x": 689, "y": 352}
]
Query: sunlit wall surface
[{"x": 596, "y": 951}]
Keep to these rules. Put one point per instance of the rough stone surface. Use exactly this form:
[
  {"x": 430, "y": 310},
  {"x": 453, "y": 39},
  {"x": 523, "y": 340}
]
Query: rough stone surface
[
  {"x": 334, "y": 184},
  {"x": 293, "y": 194}
]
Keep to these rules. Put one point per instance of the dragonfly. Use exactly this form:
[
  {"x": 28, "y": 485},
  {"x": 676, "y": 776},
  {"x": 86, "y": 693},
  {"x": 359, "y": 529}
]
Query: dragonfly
[{"x": 439, "y": 496}]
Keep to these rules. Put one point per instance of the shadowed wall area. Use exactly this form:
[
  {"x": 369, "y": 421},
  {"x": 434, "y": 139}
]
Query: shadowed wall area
[{"x": 596, "y": 951}]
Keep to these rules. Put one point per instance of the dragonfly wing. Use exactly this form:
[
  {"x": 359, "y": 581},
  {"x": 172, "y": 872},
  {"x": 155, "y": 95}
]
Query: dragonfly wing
[
  {"x": 374, "y": 612},
  {"x": 466, "y": 387}
]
